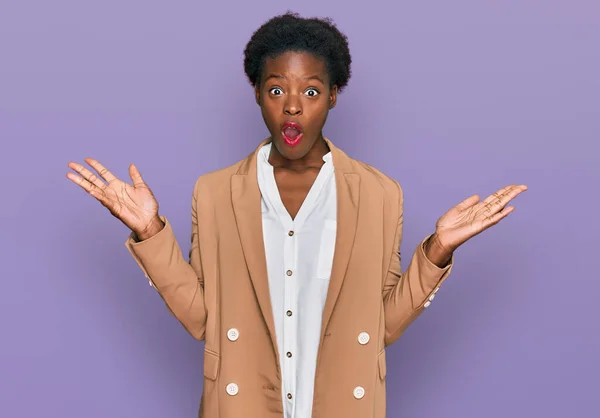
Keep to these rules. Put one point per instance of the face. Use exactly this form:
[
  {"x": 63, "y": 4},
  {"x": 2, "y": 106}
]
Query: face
[{"x": 295, "y": 96}]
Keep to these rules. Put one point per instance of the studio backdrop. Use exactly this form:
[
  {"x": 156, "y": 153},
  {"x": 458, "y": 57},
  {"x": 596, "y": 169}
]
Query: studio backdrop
[{"x": 449, "y": 98}]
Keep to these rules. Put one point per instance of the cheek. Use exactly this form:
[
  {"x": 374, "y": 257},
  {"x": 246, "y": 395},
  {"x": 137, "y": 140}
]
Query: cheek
[
  {"x": 269, "y": 110},
  {"x": 318, "y": 112}
]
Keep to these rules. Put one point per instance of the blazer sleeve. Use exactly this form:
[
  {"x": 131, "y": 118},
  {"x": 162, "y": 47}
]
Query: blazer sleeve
[
  {"x": 180, "y": 283},
  {"x": 406, "y": 294}
]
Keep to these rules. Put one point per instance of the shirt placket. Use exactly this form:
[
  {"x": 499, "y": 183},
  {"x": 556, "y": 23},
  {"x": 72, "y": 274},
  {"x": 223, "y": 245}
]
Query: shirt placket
[{"x": 290, "y": 323}]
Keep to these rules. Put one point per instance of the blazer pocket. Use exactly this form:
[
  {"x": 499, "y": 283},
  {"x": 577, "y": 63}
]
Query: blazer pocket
[
  {"x": 211, "y": 365},
  {"x": 326, "y": 250}
]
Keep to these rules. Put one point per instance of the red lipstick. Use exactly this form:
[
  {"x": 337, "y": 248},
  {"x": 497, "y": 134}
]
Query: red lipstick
[{"x": 292, "y": 133}]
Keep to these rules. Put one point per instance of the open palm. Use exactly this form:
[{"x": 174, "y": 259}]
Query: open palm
[
  {"x": 135, "y": 205},
  {"x": 471, "y": 217}
]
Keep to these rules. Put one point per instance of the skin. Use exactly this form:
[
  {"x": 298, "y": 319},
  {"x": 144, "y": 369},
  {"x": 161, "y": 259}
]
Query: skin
[
  {"x": 296, "y": 87},
  {"x": 286, "y": 92}
]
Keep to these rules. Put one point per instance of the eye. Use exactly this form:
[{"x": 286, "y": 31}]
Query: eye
[
  {"x": 276, "y": 91},
  {"x": 311, "y": 92}
]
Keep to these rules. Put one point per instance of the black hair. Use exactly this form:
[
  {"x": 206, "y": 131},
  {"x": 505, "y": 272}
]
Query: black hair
[{"x": 290, "y": 32}]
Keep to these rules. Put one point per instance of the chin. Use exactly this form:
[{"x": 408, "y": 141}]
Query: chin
[{"x": 292, "y": 152}]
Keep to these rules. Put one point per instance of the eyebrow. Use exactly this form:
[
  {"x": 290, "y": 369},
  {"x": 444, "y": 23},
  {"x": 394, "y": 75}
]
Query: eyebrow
[
  {"x": 273, "y": 76},
  {"x": 279, "y": 76},
  {"x": 315, "y": 77}
]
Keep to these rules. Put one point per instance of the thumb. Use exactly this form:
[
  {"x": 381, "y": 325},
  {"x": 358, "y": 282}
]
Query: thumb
[
  {"x": 136, "y": 176},
  {"x": 468, "y": 202}
]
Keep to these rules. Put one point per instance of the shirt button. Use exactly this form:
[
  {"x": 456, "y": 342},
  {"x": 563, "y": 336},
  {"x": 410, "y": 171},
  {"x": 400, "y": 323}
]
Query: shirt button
[
  {"x": 363, "y": 338},
  {"x": 289, "y": 313},
  {"x": 359, "y": 392},
  {"x": 427, "y": 304},
  {"x": 289, "y": 354},
  {"x": 233, "y": 334},
  {"x": 432, "y": 296},
  {"x": 232, "y": 389},
  {"x": 291, "y": 233},
  {"x": 289, "y": 272},
  {"x": 289, "y": 396}
]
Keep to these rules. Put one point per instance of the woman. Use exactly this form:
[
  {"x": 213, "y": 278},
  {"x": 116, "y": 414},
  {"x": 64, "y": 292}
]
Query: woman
[{"x": 294, "y": 278}]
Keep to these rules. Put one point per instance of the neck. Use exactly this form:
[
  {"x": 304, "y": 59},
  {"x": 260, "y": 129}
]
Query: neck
[{"x": 312, "y": 159}]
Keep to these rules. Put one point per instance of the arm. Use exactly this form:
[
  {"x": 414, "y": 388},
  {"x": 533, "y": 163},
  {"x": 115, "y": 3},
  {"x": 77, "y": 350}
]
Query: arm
[
  {"x": 405, "y": 295},
  {"x": 179, "y": 283}
]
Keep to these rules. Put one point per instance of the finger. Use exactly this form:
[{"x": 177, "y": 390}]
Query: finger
[
  {"x": 497, "y": 194},
  {"x": 96, "y": 192},
  {"x": 101, "y": 170},
  {"x": 501, "y": 198},
  {"x": 508, "y": 192},
  {"x": 136, "y": 176},
  {"x": 497, "y": 217},
  {"x": 468, "y": 202},
  {"x": 83, "y": 183},
  {"x": 88, "y": 175}
]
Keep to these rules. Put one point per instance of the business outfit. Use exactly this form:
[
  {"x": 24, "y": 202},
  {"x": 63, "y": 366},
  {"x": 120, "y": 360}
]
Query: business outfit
[
  {"x": 295, "y": 314},
  {"x": 299, "y": 254}
]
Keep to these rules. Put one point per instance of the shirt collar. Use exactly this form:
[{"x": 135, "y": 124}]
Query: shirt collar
[{"x": 266, "y": 150}]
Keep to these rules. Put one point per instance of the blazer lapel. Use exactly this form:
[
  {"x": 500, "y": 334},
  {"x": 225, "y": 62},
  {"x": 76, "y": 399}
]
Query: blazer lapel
[
  {"x": 348, "y": 195},
  {"x": 245, "y": 196}
]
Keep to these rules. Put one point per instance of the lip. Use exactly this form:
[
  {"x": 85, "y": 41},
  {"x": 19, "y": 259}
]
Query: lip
[{"x": 289, "y": 124}]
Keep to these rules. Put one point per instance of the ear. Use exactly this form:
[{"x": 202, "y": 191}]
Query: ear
[
  {"x": 333, "y": 96},
  {"x": 257, "y": 93}
]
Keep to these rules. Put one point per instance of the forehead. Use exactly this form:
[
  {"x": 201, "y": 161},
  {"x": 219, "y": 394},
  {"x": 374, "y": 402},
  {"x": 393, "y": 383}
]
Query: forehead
[{"x": 295, "y": 64}]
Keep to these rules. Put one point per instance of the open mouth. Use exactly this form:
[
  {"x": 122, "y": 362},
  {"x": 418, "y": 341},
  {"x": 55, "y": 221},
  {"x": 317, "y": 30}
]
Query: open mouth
[{"x": 292, "y": 133}]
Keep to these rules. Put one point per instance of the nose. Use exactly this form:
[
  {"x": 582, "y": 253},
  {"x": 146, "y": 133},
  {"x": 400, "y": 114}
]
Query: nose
[{"x": 292, "y": 106}]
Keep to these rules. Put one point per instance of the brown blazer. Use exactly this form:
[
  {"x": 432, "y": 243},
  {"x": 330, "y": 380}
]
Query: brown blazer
[{"x": 225, "y": 286}]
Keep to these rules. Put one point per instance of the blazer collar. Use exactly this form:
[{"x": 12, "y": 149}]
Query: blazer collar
[{"x": 245, "y": 195}]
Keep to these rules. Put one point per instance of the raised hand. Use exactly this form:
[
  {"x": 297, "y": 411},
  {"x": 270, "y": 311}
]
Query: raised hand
[
  {"x": 471, "y": 217},
  {"x": 135, "y": 205}
]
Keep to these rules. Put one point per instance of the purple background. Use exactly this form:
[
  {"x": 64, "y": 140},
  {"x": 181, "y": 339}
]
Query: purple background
[{"x": 450, "y": 98}]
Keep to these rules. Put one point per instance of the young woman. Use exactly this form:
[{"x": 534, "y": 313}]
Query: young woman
[{"x": 294, "y": 279}]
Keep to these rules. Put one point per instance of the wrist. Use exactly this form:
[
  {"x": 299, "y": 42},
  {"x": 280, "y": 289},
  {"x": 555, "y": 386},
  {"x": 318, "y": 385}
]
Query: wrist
[
  {"x": 437, "y": 252},
  {"x": 153, "y": 228}
]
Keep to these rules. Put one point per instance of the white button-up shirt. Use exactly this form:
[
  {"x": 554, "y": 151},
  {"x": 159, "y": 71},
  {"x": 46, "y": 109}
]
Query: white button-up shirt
[{"x": 299, "y": 255}]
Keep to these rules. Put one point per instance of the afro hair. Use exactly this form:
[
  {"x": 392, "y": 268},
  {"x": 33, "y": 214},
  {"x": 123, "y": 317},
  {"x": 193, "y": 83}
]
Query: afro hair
[{"x": 290, "y": 32}]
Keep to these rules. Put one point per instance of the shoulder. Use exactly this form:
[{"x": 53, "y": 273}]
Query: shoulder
[
  {"x": 373, "y": 178},
  {"x": 217, "y": 182}
]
